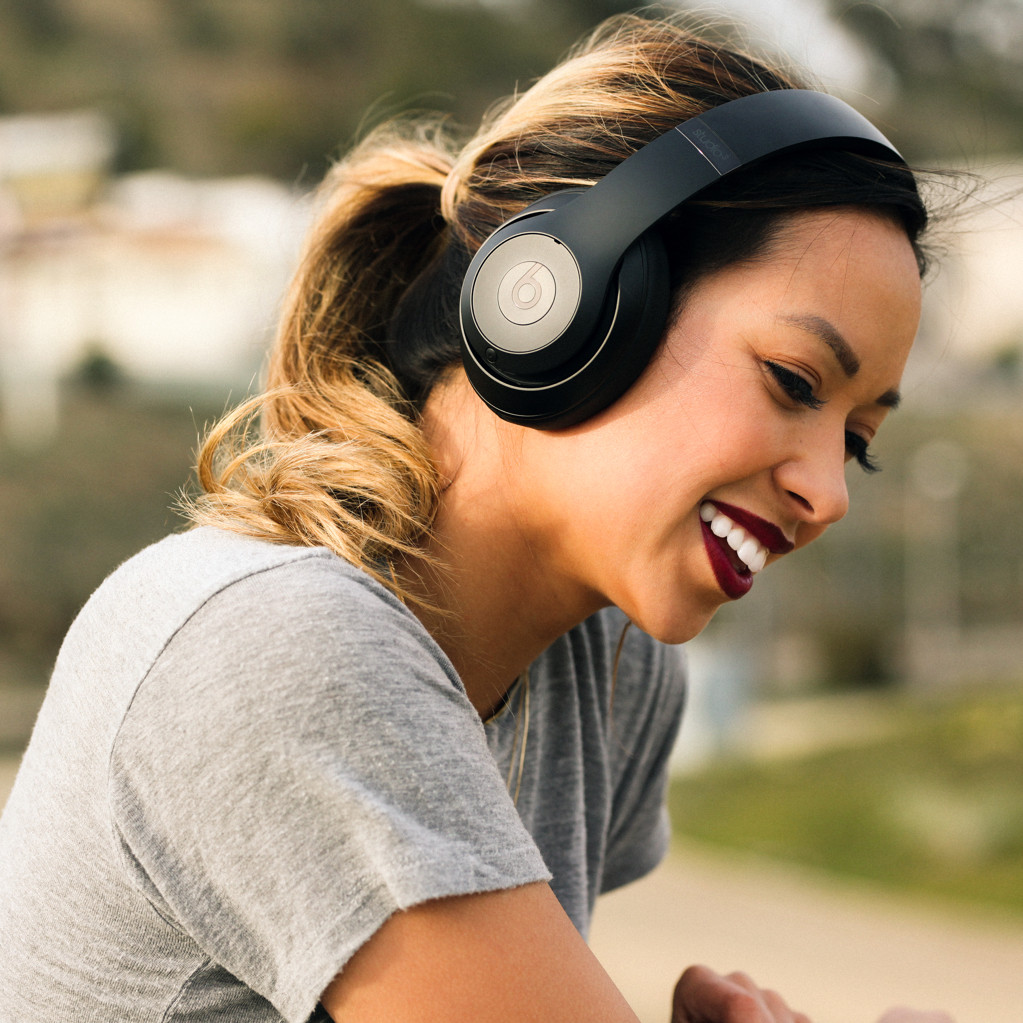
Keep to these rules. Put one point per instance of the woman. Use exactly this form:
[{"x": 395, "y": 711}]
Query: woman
[{"x": 376, "y": 735}]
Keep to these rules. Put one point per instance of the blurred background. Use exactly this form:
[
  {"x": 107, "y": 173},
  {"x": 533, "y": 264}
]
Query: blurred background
[{"x": 863, "y": 713}]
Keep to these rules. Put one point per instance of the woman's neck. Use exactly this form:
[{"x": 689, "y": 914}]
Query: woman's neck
[
  {"x": 488, "y": 603},
  {"x": 497, "y": 600}
]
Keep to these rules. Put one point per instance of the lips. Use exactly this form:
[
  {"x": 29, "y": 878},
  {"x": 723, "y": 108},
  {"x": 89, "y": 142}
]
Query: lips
[
  {"x": 738, "y": 544},
  {"x": 735, "y": 582},
  {"x": 766, "y": 533}
]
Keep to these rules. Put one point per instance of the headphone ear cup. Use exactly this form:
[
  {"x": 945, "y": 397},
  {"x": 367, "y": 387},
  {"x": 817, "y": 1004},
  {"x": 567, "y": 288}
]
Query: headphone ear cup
[
  {"x": 636, "y": 326},
  {"x": 632, "y": 320}
]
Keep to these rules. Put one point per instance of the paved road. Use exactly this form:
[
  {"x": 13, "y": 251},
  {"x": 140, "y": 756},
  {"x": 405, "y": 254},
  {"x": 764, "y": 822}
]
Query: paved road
[{"x": 841, "y": 953}]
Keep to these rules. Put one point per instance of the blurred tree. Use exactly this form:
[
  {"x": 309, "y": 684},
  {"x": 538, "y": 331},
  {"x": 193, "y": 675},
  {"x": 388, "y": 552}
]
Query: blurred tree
[
  {"x": 242, "y": 86},
  {"x": 237, "y": 86},
  {"x": 41, "y": 22},
  {"x": 97, "y": 371},
  {"x": 1007, "y": 361},
  {"x": 588, "y": 13},
  {"x": 201, "y": 25},
  {"x": 958, "y": 64}
]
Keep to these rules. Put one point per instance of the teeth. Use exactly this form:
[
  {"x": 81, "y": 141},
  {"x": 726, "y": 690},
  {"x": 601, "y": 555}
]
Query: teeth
[
  {"x": 750, "y": 552},
  {"x": 721, "y": 525}
]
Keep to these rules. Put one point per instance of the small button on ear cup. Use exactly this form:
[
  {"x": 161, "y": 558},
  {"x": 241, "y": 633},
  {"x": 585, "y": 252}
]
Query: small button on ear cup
[{"x": 525, "y": 293}]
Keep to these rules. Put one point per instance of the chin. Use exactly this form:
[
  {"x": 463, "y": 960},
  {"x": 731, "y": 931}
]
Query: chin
[{"x": 673, "y": 629}]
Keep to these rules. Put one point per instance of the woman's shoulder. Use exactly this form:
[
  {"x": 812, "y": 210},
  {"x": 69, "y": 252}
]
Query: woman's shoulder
[
  {"x": 186, "y": 570},
  {"x": 205, "y": 560},
  {"x": 256, "y": 601}
]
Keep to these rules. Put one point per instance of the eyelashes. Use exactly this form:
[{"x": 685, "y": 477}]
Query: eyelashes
[
  {"x": 799, "y": 390},
  {"x": 797, "y": 387},
  {"x": 857, "y": 447}
]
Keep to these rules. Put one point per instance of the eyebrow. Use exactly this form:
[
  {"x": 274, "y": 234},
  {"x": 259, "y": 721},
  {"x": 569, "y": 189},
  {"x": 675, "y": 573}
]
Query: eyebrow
[{"x": 824, "y": 331}]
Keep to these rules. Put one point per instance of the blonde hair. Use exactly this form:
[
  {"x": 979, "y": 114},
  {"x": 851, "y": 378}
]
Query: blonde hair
[{"x": 332, "y": 454}]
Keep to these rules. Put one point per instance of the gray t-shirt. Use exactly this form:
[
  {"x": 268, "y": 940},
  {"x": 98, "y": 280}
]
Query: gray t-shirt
[{"x": 250, "y": 755}]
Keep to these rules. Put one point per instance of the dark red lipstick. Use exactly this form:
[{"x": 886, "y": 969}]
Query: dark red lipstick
[
  {"x": 764, "y": 532},
  {"x": 736, "y": 580}
]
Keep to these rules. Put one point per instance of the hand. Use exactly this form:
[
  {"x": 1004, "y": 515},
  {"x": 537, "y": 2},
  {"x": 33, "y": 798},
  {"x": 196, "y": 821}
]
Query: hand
[
  {"x": 703, "y": 996},
  {"x": 913, "y": 1016}
]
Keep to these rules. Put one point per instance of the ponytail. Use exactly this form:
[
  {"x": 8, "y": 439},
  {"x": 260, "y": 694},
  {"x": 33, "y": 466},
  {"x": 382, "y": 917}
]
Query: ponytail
[{"x": 332, "y": 454}]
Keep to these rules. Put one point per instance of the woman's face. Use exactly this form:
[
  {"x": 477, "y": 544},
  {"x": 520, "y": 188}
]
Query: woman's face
[{"x": 772, "y": 380}]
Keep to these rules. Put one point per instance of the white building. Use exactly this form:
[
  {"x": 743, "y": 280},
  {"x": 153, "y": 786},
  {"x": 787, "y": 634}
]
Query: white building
[{"x": 175, "y": 280}]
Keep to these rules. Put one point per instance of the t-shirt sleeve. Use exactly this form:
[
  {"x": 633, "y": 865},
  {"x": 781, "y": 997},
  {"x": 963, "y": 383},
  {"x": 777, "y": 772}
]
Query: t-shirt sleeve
[
  {"x": 300, "y": 763},
  {"x": 645, "y": 718}
]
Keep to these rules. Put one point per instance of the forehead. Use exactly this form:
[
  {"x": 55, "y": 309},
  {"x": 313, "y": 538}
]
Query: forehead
[
  {"x": 853, "y": 267},
  {"x": 844, "y": 273}
]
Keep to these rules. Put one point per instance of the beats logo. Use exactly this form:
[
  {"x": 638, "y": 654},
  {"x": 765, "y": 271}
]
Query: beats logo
[{"x": 526, "y": 293}]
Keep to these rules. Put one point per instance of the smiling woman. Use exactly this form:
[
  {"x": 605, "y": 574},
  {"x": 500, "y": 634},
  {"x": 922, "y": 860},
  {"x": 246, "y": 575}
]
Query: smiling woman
[
  {"x": 370, "y": 740},
  {"x": 748, "y": 408}
]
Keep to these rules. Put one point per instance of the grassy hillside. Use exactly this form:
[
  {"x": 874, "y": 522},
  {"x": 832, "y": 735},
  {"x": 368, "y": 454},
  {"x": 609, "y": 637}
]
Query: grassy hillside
[
  {"x": 272, "y": 86},
  {"x": 934, "y": 807},
  {"x": 232, "y": 86}
]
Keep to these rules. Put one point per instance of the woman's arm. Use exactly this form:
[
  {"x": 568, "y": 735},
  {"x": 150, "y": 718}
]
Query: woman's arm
[
  {"x": 498, "y": 956},
  {"x": 514, "y": 956}
]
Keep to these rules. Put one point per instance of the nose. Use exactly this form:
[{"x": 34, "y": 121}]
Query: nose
[{"x": 815, "y": 483}]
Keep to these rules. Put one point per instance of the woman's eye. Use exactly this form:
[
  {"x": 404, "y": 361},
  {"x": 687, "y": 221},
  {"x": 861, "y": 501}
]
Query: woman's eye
[
  {"x": 857, "y": 448},
  {"x": 795, "y": 386},
  {"x": 799, "y": 390}
]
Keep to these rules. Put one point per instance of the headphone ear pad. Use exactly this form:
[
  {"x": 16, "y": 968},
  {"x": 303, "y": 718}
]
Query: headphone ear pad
[{"x": 638, "y": 314}]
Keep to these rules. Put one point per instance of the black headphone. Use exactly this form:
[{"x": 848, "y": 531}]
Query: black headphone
[{"x": 564, "y": 304}]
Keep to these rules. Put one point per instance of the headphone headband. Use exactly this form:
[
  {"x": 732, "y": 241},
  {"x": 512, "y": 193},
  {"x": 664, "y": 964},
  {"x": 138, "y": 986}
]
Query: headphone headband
[{"x": 543, "y": 297}]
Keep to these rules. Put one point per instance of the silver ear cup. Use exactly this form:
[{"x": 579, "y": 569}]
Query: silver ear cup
[
  {"x": 582, "y": 384},
  {"x": 525, "y": 294}
]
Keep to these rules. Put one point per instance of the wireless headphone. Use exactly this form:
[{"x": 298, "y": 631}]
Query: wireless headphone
[{"x": 563, "y": 305}]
